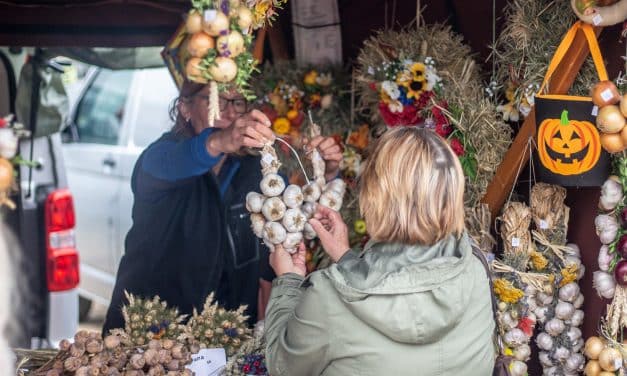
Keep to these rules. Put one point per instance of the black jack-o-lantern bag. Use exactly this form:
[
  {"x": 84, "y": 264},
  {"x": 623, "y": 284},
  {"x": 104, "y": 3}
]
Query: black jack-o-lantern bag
[{"x": 569, "y": 151}]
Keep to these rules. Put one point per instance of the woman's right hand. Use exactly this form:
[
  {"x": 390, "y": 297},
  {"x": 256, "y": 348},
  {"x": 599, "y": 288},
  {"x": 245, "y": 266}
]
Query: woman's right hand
[
  {"x": 332, "y": 231},
  {"x": 251, "y": 130}
]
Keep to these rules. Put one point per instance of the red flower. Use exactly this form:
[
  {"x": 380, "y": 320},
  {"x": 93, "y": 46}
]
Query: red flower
[
  {"x": 457, "y": 146},
  {"x": 246, "y": 368},
  {"x": 409, "y": 115},
  {"x": 443, "y": 128},
  {"x": 373, "y": 86},
  {"x": 3, "y": 123},
  {"x": 526, "y": 325},
  {"x": 424, "y": 99}
]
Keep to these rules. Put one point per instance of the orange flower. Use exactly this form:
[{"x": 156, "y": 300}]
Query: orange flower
[
  {"x": 359, "y": 138},
  {"x": 281, "y": 126}
]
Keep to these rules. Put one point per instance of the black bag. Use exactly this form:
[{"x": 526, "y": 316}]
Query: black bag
[{"x": 569, "y": 151}]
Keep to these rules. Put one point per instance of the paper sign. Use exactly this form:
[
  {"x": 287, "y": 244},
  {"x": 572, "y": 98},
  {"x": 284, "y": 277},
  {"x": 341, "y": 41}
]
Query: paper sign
[
  {"x": 606, "y": 95},
  {"x": 208, "y": 362},
  {"x": 210, "y": 15},
  {"x": 515, "y": 242},
  {"x": 543, "y": 224},
  {"x": 595, "y": 110},
  {"x": 596, "y": 20}
]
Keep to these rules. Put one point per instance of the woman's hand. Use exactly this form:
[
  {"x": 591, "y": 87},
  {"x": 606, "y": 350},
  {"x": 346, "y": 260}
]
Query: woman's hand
[
  {"x": 282, "y": 262},
  {"x": 330, "y": 151},
  {"x": 332, "y": 231},
  {"x": 251, "y": 130}
]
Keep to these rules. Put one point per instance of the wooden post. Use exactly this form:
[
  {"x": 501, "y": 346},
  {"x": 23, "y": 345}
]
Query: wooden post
[
  {"x": 563, "y": 78},
  {"x": 259, "y": 44}
]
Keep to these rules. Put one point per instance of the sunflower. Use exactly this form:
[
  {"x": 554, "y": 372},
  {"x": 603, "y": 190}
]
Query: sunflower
[
  {"x": 415, "y": 88},
  {"x": 418, "y": 71}
]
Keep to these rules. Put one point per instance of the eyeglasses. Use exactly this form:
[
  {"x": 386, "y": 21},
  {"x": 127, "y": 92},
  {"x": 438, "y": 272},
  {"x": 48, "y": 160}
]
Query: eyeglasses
[{"x": 240, "y": 105}]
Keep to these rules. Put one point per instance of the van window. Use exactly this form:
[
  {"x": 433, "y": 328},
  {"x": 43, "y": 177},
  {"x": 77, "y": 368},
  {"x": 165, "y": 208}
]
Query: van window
[
  {"x": 157, "y": 93},
  {"x": 100, "y": 112}
]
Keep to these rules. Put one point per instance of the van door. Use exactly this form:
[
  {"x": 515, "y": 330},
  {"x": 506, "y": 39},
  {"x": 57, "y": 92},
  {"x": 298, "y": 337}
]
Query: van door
[{"x": 93, "y": 144}]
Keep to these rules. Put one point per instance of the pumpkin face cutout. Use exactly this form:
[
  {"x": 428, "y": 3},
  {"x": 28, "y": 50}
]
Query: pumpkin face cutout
[{"x": 568, "y": 147}]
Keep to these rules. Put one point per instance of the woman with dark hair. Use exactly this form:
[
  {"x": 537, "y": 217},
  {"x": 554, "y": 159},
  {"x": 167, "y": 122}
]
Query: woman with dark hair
[{"x": 191, "y": 232}]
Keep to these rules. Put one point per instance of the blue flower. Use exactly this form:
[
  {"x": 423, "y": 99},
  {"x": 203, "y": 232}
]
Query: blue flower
[
  {"x": 154, "y": 329},
  {"x": 231, "y": 332},
  {"x": 403, "y": 97}
]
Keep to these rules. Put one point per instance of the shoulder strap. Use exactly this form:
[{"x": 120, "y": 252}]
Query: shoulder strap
[{"x": 481, "y": 257}]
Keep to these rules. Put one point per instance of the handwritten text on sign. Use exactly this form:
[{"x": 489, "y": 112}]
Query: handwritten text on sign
[{"x": 208, "y": 362}]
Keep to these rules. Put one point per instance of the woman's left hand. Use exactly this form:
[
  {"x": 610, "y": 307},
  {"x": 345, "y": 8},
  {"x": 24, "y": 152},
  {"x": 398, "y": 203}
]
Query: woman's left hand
[
  {"x": 282, "y": 262},
  {"x": 330, "y": 151}
]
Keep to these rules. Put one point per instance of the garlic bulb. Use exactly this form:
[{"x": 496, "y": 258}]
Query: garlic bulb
[
  {"x": 577, "y": 345},
  {"x": 274, "y": 232},
  {"x": 294, "y": 220},
  {"x": 564, "y": 310},
  {"x": 578, "y": 301},
  {"x": 508, "y": 321},
  {"x": 254, "y": 202},
  {"x": 268, "y": 243},
  {"x": 572, "y": 249},
  {"x": 544, "y": 341},
  {"x": 530, "y": 290},
  {"x": 517, "y": 368},
  {"x": 336, "y": 185},
  {"x": 293, "y": 196},
  {"x": 577, "y": 318},
  {"x": 561, "y": 353},
  {"x": 311, "y": 192},
  {"x": 308, "y": 209},
  {"x": 554, "y": 327},
  {"x": 522, "y": 352},
  {"x": 574, "y": 362},
  {"x": 272, "y": 185},
  {"x": 257, "y": 221},
  {"x": 611, "y": 194},
  {"x": 273, "y": 209},
  {"x": 551, "y": 371},
  {"x": 541, "y": 313},
  {"x": 292, "y": 240},
  {"x": 604, "y": 258},
  {"x": 8, "y": 143},
  {"x": 308, "y": 232},
  {"x": 606, "y": 228},
  {"x": 331, "y": 200},
  {"x": 515, "y": 337},
  {"x": 573, "y": 333},
  {"x": 604, "y": 283},
  {"x": 569, "y": 292},
  {"x": 502, "y": 306},
  {"x": 532, "y": 303},
  {"x": 544, "y": 299},
  {"x": 545, "y": 359}
]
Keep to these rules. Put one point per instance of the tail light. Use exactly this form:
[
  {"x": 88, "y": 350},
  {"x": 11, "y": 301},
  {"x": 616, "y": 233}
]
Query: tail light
[{"x": 62, "y": 257}]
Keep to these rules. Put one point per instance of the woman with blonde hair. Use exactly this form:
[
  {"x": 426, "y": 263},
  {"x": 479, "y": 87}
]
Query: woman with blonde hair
[{"x": 416, "y": 301}]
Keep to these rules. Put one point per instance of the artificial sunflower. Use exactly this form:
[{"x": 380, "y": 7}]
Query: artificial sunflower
[
  {"x": 418, "y": 71},
  {"x": 281, "y": 126},
  {"x": 260, "y": 11},
  {"x": 415, "y": 88}
]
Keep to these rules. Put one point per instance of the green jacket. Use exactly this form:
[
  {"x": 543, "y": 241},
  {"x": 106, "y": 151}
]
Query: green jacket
[{"x": 393, "y": 310}]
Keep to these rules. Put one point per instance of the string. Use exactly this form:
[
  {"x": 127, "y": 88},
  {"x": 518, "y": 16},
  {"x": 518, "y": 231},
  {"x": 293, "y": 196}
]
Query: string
[{"x": 296, "y": 155}]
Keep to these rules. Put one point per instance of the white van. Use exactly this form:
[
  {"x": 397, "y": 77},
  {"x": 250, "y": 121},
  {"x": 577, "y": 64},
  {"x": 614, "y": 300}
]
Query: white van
[{"x": 114, "y": 117}]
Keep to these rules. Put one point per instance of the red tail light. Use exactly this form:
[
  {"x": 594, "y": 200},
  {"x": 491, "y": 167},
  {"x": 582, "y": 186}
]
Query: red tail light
[{"x": 62, "y": 257}]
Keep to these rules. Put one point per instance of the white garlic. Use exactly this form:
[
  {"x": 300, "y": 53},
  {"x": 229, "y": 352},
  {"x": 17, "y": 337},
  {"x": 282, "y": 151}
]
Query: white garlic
[
  {"x": 292, "y": 240},
  {"x": 308, "y": 232},
  {"x": 8, "y": 143},
  {"x": 574, "y": 363},
  {"x": 554, "y": 327},
  {"x": 611, "y": 194},
  {"x": 273, "y": 209},
  {"x": 522, "y": 352},
  {"x": 604, "y": 283},
  {"x": 561, "y": 353},
  {"x": 541, "y": 313},
  {"x": 578, "y": 301},
  {"x": 274, "y": 232},
  {"x": 545, "y": 359},
  {"x": 564, "y": 310},
  {"x": 551, "y": 371},
  {"x": 580, "y": 271},
  {"x": 336, "y": 185},
  {"x": 254, "y": 202},
  {"x": 502, "y": 306},
  {"x": 569, "y": 292},
  {"x": 544, "y": 299},
  {"x": 530, "y": 290},
  {"x": 268, "y": 243},
  {"x": 572, "y": 249},
  {"x": 294, "y": 220},
  {"x": 293, "y": 196},
  {"x": 272, "y": 185},
  {"x": 311, "y": 192},
  {"x": 573, "y": 333},
  {"x": 517, "y": 368},
  {"x": 544, "y": 341},
  {"x": 515, "y": 337},
  {"x": 604, "y": 258},
  {"x": 577, "y": 318},
  {"x": 257, "y": 221},
  {"x": 606, "y": 228},
  {"x": 532, "y": 303},
  {"x": 331, "y": 200},
  {"x": 308, "y": 209},
  {"x": 578, "y": 345},
  {"x": 572, "y": 260},
  {"x": 508, "y": 321}
]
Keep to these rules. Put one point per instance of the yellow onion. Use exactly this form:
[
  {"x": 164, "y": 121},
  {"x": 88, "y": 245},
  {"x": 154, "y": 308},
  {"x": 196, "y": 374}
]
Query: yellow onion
[
  {"x": 610, "y": 119},
  {"x": 6, "y": 174},
  {"x": 193, "y": 24},
  {"x": 592, "y": 368},
  {"x": 199, "y": 44},
  {"x": 594, "y": 346},
  {"x": 192, "y": 69},
  {"x": 606, "y": 373},
  {"x": 223, "y": 70},
  {"x": 215, "y": 23},
  {"x": 612, "y": 142},
  {"x": 230, "y": 45},
  {"x": 623, "y": 105},
  {"x": 604, "y": 93},
  {"x": 610, "y": 359},
  {"x": 244, "y": 18}
]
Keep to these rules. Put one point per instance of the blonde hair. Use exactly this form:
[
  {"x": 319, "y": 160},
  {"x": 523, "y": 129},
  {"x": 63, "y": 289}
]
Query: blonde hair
[{"x": 412, "y": 188}]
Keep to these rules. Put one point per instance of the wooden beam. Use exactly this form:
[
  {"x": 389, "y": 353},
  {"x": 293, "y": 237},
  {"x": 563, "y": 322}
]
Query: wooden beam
[
  {"x": 518, "y": 153},
  {"x": 278, "y": 45},
  {"x": 260, "y": 41}
]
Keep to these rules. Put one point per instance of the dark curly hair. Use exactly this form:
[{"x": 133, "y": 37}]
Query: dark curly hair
[{"x": 182, "y": 126}]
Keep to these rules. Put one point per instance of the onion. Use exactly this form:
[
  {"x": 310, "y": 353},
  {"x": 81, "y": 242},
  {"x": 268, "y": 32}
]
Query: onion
[
  {"x": 594, "y": 346},
  {"x": 592, "y": 368},
  {"x": 604, "y": 93},
  {"x": 623, "y": 105},
  {"x": 6, "y": 174},
  {"x": 610, "y": 119},
  {"x": 215, "y": 24},
  {"x": 193, "y": 23},
  {"x": 230, "y": 45},
  {"x": 612, "y": 142},
  {"x": 620, "y": 273},
  {"x": 224, "y": 69},
  {"x": 192, "y": 69},
  {"x": 244, "y": 18},
  {"x": 623, "y": 135},
  {"x": 199, "y": 44},
  {"x": 610, "y": 359},
  {"x": 621, "y": 247}
]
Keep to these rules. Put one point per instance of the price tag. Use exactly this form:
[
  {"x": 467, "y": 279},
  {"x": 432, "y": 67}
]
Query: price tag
[
  {"x": 595, "y": 110},
  {"x": 210, "y": 15},
  {"x": 515, "y": 242},
  {"x": 606, "y": 94},
  {"x": 597, "y": 19},
  {"x": 544, "y": 224},
  {"x": 208, "y": 362},
  {"x": 267, "y": 158}
]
